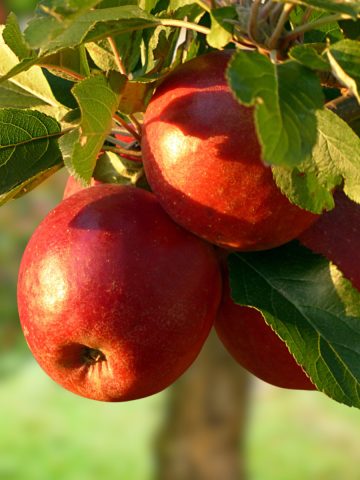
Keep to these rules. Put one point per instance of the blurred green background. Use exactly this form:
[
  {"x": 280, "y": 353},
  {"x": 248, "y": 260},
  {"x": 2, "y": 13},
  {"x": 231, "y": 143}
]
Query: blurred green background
[{"x": 48, "y": 433}]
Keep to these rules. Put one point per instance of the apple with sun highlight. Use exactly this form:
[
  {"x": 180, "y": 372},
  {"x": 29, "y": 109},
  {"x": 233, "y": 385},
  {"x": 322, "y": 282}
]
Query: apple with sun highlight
[
  {"x": 115, "y": 299},
  {"x": 203, "y": 161}
]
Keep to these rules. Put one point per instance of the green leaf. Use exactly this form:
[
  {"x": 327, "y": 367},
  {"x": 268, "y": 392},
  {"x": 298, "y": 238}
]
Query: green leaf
[
  {"x": 158, "y": 50},
  {"x": 40, "y": 30},
  {"x": 339, "y": 147},
  {"x": 116, "y": 3},
  {"x": 285, "y": 97},
  {"x": 102, "y": 56},
  {"x": 14, "y": 38},
  {"x": 135, "y": 96},
  {"x": 221, "y": 32},
  {"x": 305, "y": 187},
  {"x": 335, "y": 159},
  {"x": 13, "y": 96},
  {"x": 311, "y": 307},
  {"x": 111, "y": 168},
  {"x": 66, "y": 64},
  {"x": 148, "y": 5},
  {"x": 309, "y": 57},
  {"x": 344, "y": 79},
  {"x": 128, "y": 46},
  {"x": 68, "y": 8},
  {"x": 51, "y": 35},
  {"x": 98, "y": 98},
  {"x": 347, "y": 7},
  {"x": 344, "y": 57},
  {"x": 33, "y": 81},
  {"x": 28, "y": 149},
  {"x": 322, "y": 32}
]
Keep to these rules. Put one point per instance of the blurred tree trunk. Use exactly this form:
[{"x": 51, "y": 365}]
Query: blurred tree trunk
[{"x": 205, "y": 424}]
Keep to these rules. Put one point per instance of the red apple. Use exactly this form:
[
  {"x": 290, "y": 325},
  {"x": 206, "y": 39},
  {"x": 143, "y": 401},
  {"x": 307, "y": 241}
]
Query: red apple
[
  {"x": 256, "y": 346},
  {"x": 203, "y": 161},
  {"x": 72, "y": 186},
  {"x": 337, "y": 236},
  {"x": 115, "y": 299}
]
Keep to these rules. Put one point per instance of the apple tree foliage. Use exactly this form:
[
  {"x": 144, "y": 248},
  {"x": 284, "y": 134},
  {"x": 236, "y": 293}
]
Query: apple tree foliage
[{"x": 83, "y": 69}]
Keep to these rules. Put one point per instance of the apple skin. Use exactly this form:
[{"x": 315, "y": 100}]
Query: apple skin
[
  {"x": 115, "y": 299},
  {"x": 73, "y": 186},
  {"x": 203, "y": 161},
  {"x": 336, "y": 236},
  {"x": 256, "y": 347}
]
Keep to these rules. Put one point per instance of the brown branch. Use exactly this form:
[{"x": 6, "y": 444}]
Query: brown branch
[
  {"x": 118, "y": 59},
  {"x": 253, "y": 20},
  {"x": 127, "y": 127}
]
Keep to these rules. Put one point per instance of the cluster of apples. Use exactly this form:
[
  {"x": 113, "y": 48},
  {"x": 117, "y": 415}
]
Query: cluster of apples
[{"x": 119, "y": 287}]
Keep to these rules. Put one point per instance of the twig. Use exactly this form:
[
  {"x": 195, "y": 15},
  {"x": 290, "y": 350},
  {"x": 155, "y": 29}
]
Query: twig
[
  {"x": 266, "y": 10},
  {"x": 173, "y": 22},
  {"x": 128, "y": 127},
  {"x": 136, "y": 123},
  {"x": 253, "y": 20},
  {"x": 275, "y": 37},
  {"x": 122, "y": 151},
  {"x": 118, "y": 60}
]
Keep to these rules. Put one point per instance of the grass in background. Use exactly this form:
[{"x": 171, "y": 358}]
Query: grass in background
[
  {"x": 297, "y": 435},
  {"x": 48, "y": 433}
]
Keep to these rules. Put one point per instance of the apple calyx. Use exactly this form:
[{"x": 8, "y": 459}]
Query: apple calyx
[{"x": 92, "y": 355}]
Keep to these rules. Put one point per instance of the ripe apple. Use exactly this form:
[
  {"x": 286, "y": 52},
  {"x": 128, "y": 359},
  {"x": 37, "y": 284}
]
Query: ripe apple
[
  {"x": 336, "y": 236},
  {"x": 115, "y": 299},
  {"x": 253, "y": 344},
  {"x": 72, "y": 186},
  {"x": 203, "y": 161}
]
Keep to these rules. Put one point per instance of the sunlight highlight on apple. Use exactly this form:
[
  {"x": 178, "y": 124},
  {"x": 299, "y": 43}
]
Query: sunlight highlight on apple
[{"x": 52, "y": 284}]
